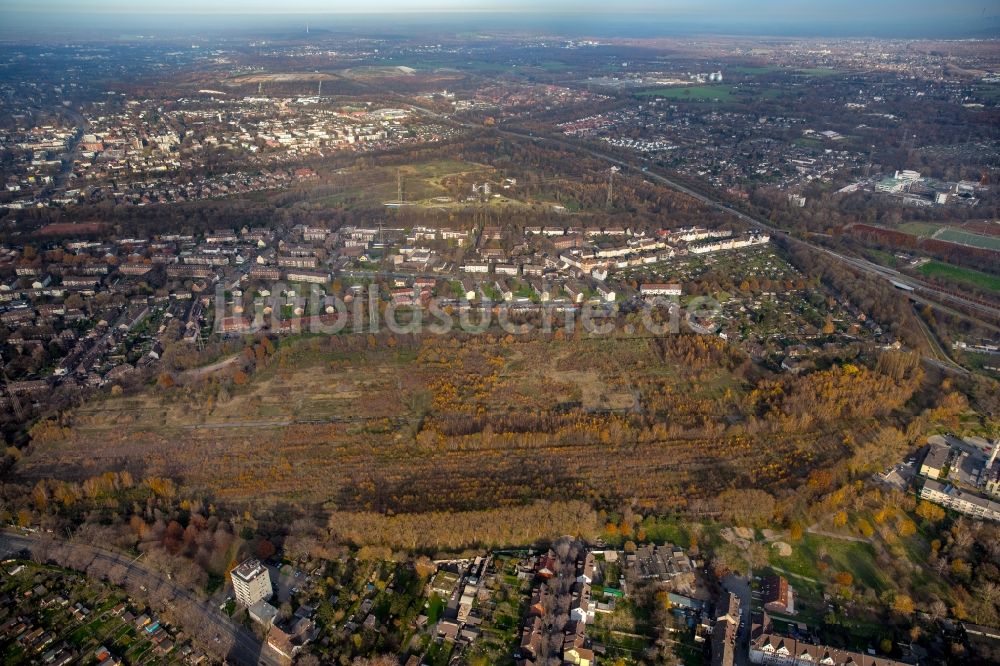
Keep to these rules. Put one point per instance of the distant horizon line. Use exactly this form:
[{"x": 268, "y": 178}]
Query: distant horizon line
[
  {"x": 29, "y": 23},
  {"x": 380, "y": 12}
]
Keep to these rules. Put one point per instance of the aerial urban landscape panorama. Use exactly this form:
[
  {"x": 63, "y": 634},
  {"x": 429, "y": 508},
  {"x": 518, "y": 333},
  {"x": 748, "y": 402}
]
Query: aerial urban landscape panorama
[{"x": 469, "y": 333}]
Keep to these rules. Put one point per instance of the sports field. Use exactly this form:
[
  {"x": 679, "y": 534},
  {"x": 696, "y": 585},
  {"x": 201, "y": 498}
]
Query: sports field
[
  {"x": 965, "y": 276},
  {"x": 965, "y": 238}
]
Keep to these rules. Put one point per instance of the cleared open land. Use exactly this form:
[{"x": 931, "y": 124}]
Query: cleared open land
[
  {"x": 439, "y": 184},
  {"x": 280, "y": 77},
  {"x": 445, "y": 424}
]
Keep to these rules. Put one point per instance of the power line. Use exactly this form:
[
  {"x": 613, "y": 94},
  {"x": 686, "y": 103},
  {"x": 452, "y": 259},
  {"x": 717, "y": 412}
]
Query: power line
[
  {"x": 611, "y": 184},
  {"x": 15, "y": 403}
]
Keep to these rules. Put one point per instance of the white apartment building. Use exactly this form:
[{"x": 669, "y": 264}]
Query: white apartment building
[
  {"x": 251, "y": 582},
  {"x": 660, "y": 289},
  {"x": 960, "y": 500}
]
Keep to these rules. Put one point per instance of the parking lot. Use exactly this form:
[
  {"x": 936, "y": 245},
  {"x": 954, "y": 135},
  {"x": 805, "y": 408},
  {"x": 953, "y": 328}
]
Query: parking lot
[{"x": 287, "y": 581}]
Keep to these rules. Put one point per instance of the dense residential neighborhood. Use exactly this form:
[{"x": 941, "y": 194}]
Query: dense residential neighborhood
[{"x": 638, "y": 335}]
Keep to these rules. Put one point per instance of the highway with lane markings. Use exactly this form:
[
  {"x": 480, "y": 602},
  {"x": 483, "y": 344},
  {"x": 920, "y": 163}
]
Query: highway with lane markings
[{"x": 923, "y": 292}]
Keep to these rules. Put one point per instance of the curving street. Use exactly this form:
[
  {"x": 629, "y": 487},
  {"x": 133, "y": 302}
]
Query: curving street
[
  {"x": 923, "y": 292},
  {"x": 235, "y": 644}
]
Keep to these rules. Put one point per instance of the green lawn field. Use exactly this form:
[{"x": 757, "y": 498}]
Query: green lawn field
[
  {"x": 920, "y": 228},
  {"x": 959, "y": 275},
  {"x": 819, "y": 71},
  {"x": 695, "y": 93}
]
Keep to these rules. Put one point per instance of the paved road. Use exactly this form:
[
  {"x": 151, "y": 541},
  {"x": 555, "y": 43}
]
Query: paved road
[
  {"x": 67, "y": 156},
  {"x": 935, "y": 346},
  {"x": 797, "y": 575},
  {"x": 923, "y": 292},
  {"x": 863, "y": 265},
  {"x": 833, "y": 535},
  {"x": 208, "y": 369},
  {"x": 246, "y": 649},
  {"x": 740, "y": 586}
]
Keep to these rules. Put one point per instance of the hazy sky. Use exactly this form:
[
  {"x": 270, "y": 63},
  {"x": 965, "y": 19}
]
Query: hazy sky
[
  {"x": 820, "y": 17},
  {"x": 861, "y": 10}
]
